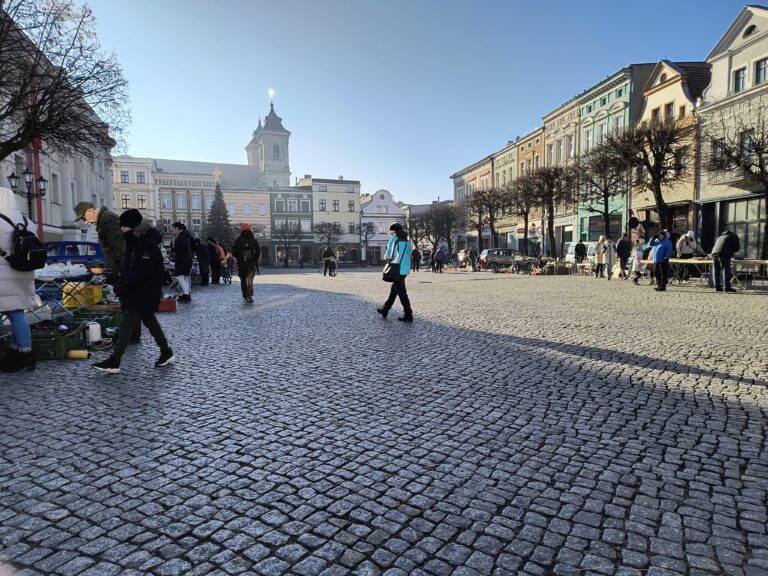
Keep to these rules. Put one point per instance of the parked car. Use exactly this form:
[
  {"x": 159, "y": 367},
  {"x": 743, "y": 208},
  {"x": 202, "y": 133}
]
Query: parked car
[
  {"x": 570, "y": 256},
  {"x": 86, "y": 253},
  {"x": 498, "y": 258}
]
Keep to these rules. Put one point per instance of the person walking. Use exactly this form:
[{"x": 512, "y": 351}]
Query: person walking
[
  {"x": 140, "y": 289},
  {"x": 247, "y": 252},
  {"x": 216, "y": 253},
  {"x": 580, "y": 252},
  {"x": 17, "y": 290},
  {"x": 609, "y": 256},
  {"x": 203, "y": 260},
  {"x": 623, "y": 251},
  {"x": 726, "y": 246},
  {"x": 662, "y": 252},
  {"x": 398, "y": 251},
  {"x": 182, "y": 259},
  {"x": 415, "y": 259},
  {"x": 599, "y": 258},
  {"x": 439, "y": 260},
  {"x": 327, "y": 255}
]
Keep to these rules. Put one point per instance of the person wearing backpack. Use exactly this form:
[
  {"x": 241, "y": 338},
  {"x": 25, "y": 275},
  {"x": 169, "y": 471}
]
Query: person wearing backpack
[
  {"x": 182, "y": 259},
  {"x": 247, "y": 252},
  {"x": 216, "y": 253},
  {"x": 17, "y": 290}
]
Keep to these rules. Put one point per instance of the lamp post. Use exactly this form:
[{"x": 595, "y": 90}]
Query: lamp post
[{"x": 28, "y": 177}]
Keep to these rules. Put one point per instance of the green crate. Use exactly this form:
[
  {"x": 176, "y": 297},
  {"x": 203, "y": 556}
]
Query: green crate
[
  {"x": 107, "y": 318},
  {"x": 54, "y": 346}
]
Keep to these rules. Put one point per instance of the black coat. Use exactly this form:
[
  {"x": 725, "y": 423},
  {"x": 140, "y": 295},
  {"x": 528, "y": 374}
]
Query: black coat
[
  {"x": 141, "y": 282},
  {"x": 623, "y": 248},
  {"x": 203, "y": 259},
  {"x": 726, "y": 245},
  {"x": 182, "y": 254},
  {"x": 246, "y": 236}
]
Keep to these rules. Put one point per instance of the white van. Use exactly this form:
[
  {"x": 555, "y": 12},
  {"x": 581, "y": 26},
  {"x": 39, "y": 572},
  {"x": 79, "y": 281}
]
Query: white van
[{"x": 570, "y": 256}]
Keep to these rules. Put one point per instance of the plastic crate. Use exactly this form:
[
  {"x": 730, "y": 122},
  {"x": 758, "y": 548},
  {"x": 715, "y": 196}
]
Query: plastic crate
[
  {"x": 51, "y": 345},
  {"x": 108, "y": 315},
  {"x": 167, "y": 305},
  {"x": 78, "y": 294}
]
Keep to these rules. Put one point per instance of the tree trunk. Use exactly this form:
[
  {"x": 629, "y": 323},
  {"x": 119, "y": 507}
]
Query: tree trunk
[
  {"x": 525, "y": 233},
  {"x": 551, "y": 230},
  {"x": 764, "y": 247},
  {"x": 606, "y": 217},
  {"x": 665, "y": 216},
  {"x": 492, "y": 228}
]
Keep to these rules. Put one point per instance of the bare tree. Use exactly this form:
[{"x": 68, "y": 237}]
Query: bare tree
[
  {"x": 522, "y": 200},
  {"x": 601, "y": 179},
  {"x": 494, "y": 203},
  {"x": 658, "y": 152},
  {"x": 414, "y": 225},
  {"x": 553, "y": 185},
  {"x": 447, "y": 219},
  {"x": 365, "y": 230},
  {"x": 56, "y": 82},
  {"x": 736, "y": 148},
  {"x": 475, "y": 215},
  {"x": 289, "y": 233},
  {"x": 328, "y": 232}
]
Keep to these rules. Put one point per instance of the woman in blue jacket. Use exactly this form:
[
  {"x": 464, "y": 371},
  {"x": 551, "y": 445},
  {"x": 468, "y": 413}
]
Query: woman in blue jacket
[
  {"x": 399, "y": 250},
  {"x": 661, "y": 254}
]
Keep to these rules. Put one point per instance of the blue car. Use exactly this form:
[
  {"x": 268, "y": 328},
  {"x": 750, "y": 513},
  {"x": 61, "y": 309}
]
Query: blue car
[{"x": 87, "y": 253}]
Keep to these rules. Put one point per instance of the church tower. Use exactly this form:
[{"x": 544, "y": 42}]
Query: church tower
[{"x": 268, "y": 151}]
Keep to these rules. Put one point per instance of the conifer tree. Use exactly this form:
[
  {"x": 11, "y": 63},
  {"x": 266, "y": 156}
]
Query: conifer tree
[{"x": 217, "y": 224}]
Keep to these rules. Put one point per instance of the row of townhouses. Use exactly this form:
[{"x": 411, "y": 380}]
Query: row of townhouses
[{"x": 734, "y": 73}]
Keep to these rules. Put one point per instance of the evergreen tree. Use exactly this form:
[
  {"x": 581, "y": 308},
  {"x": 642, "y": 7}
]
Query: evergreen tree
[{"x": 217, "y": 224}]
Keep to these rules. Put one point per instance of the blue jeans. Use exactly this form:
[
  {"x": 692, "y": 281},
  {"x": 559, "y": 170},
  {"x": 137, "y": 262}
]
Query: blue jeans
[{"x": 22, "y": 335}]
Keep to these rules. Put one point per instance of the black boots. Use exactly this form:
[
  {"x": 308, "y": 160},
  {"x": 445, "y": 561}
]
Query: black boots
[
  {"x": 383, "y": 311},
  {"x": 16, "y": 361}
]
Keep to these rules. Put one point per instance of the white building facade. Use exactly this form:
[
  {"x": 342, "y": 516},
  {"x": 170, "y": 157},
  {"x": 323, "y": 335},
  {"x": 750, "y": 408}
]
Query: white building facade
[{"x": 380, "y": 210}]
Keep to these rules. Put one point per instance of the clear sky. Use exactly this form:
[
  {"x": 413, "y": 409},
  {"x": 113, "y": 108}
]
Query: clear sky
[{"x": 398, "y": 94}]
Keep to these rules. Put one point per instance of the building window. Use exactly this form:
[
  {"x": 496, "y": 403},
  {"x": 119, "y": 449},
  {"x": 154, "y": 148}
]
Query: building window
[
  {"x": 322, "y": 206},
  {"x": 165, "y": 201},
  {"x": 196, "y": 225},
  {"x": 378, "y": 209},
  {"x": 587, "y": 140},
  {"x": 751, "y": 29},
  {"x": 603, "y": 131},
  {"x": 603, "y": 100},
  {"x": 682, "y": 111},
  {"x": 140, "y": 178},
  {"x": 124, "y": 176},
  {"x": 559, "y": 151},
  {"x": 740, "y": 80},
  {"x": 669, "y": 111},
  {"x": 305, "y": 225},
  {"x": 262, "y": 210},
  {"x": 618, "y": 123},
  {"x": 522, "y": 168},
  {"x": 181, "y": 201},
  {"x": 761, "y": 71},
  {"x": 382, "y": 227},
  {"x": 142, "y": 201},
  {"x": 208, "y": 201},
  {"x": 570, "y": 149},
  {"x": 349, "y": 188},
  {"x": 681, "y": 161},
  {"x": 194, "y": 201},
  {"x": 351, "y": 227},
  {"x": 125, "y": 201},
  {"x": 350, "y": 205},
  {"x": 323, "y": 188},
  {"x": 246, "y": 209},
  {"x": 279, "y": 206},
  {"x": 335, "y": 205},
  {"x": 550, "y": 154},
  {"x": 536, "y": 162},
  {"x": 619, "y": 92},
  {"x": 305, "y": 206},
  {"x": 656, "y": 114},
  {"x": 231, "y": 210},
  {"x": 275, "y": 152},
  {"x": 293, "y": 205}
]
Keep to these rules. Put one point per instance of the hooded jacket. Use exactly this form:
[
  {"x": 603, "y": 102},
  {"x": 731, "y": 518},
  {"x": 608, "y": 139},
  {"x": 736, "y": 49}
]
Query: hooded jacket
[
  {"x": 726, "y": 245},
  {"x": 111, "y": 239},
  {"x": 399, "y": 250},
  {"x": 182, "y": 253},
  {"x": 599, "y": 259},
  {"x": 141, "y": 282},
  {"x": 238, "y": 248}
]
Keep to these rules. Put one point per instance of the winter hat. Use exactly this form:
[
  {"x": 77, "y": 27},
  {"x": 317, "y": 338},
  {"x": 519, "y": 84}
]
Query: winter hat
[
  {"x": 131, "y": 218},
  {"x": 245, "y": 226},
  {"x": 396, "y": 227}
]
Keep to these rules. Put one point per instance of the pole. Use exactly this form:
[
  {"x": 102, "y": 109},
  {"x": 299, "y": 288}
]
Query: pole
[{"x": 36, "y": 147}]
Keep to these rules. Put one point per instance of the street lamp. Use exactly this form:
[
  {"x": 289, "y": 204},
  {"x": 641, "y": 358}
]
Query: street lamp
[{"x": 39, "y": 192}]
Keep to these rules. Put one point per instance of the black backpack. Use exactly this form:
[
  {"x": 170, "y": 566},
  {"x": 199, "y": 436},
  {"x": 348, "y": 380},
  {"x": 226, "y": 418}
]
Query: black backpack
[
  {"x": 246, "y": 251},
  {"x": 27, "y": 252}
]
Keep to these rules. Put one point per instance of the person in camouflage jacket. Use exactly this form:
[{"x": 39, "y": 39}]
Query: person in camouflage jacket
[{"x": 108, "y": 229}]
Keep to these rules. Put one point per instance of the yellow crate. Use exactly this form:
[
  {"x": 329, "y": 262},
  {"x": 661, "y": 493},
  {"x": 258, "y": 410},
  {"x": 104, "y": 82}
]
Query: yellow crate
[{"x": 78, "y": 294}]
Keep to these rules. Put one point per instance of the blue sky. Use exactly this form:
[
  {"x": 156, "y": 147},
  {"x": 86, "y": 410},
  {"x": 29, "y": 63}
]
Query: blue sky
[{"x": 396, "y": 93}]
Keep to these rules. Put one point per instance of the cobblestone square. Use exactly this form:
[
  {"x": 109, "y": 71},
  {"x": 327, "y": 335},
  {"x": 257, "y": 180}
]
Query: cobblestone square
[{"x": 521, "y": 425}]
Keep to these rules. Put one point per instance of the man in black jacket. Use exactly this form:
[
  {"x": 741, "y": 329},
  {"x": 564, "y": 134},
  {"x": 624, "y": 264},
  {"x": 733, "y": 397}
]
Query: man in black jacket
[
  {"x": 623, "y": 251},
  {"x": 247, "y": 251},
  {"x": 726, "y": 245},
  {"x": 140, "y": 289}
]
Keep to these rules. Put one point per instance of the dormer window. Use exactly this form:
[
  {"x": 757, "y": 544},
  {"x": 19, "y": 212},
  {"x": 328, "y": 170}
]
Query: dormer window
[
  {"x": 663, "y": 79},
  {"x": 749, "y": 31}
]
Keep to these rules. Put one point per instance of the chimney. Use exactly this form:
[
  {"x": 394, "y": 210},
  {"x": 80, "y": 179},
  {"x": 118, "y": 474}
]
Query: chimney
[{"x": 341, "y": 177}]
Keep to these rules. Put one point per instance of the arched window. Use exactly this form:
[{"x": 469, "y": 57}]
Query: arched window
[
  {"x": 275, "y": 152},
  {"x": 663, "y": 78},
  {"x": 749, "y": 31}
]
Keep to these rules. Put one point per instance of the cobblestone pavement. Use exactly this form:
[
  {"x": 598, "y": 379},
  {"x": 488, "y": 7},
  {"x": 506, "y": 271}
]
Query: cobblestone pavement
[{"x": 522, "y": 425}]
